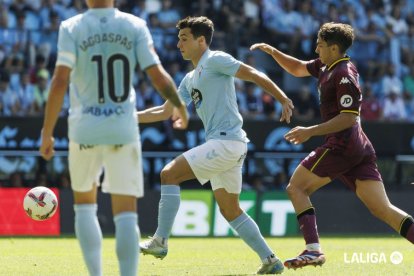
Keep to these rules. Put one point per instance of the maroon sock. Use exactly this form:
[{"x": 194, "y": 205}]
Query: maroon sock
[
  {"x": 407, "y": 228},
  {"x": 410, "y": 234},
  {"x": 307, "y": 224}
]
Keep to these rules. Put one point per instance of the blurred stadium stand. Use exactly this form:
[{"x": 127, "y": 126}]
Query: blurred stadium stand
[{"x": 383, "y": 52}]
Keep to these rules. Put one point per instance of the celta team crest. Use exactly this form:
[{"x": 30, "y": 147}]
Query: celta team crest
[{"x": 197, "y": 97}]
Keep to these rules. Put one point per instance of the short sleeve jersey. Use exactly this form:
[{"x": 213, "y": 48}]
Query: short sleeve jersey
[
  {"x": 338, "y": 87},
  {"x": 103, "y": 47},
  {"x": 339, "y": 92},
  {"x": 210, "y": 86}
]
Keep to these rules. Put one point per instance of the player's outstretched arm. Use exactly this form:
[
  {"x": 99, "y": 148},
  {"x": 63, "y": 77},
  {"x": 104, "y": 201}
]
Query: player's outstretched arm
[
  {"x": 163, "y": 112},
  {"x": 248, "y": 73},
  {"x": 299, "y": 134},
  {"x": 291, "y": 64},
  {"x": 155, "y": 114},
  {"x": 163, "y": 82},
  {"x": 59, "y": 84}
]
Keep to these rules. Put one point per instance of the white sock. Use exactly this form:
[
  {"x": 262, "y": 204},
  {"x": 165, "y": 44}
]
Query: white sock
[
  {"x": 248, "y": 230},
  {"x": 161, "y": 240},
  {"x": 167, "y": 209},
  {"x": 89, "y": 234},
  {"x": 313, "y": 247},
  {"x": 271, "y": 259},
  {"x": 127, "y": 237}
]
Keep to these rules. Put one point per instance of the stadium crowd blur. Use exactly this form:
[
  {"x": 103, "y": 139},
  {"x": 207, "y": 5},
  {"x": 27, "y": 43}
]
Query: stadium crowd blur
[{"x": 383, "y": 52}]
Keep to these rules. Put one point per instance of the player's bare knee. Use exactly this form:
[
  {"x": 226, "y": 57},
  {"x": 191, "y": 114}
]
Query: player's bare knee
[
  {"x": 308, "y": 191},
  {"x": 167, "y": 176},
  {"x": 293, "y": 190}
]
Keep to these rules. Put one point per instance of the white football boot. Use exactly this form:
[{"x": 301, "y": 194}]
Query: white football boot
[
  {"x": 155, "y": 246},
  {"x": 272, "y": 266}
]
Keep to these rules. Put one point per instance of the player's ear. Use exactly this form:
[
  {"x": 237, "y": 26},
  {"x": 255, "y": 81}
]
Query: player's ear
[
  {"x": 335, "y": 48},
  {"x": 201, "y": 39}
]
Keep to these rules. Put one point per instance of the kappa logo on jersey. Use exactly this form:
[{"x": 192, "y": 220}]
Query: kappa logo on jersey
[
  {"x": 346, "y": 101},
  {"x": 197, "y": 97},
  {"x": 344, "y": 80}
]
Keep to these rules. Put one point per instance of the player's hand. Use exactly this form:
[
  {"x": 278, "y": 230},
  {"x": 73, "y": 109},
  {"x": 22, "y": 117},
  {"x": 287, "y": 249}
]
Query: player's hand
[
  {"x": 298, "y": 135},
  {"x": 262, "y": 46},
  {"x": 180, "y": 117},
  {"x": 287, "y": 107},
  {"x": 46, "y": 148}
]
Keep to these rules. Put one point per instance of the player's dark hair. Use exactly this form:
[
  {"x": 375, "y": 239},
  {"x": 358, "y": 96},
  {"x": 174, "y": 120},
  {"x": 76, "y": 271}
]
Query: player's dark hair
[
  {"x": 200, "y": 26},
  {"x": 337, "y": 33}
]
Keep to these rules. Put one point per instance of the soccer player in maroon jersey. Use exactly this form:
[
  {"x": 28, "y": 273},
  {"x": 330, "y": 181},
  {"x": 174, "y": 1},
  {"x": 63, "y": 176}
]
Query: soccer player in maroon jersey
[{"x": 347, "y": 153}]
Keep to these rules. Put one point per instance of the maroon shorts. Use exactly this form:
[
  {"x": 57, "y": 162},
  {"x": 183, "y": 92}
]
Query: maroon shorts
[{"x": 327, "y": 163}]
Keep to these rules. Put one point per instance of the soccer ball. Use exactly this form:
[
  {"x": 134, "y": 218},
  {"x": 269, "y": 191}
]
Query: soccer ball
[{"x": 40, "y": 203}]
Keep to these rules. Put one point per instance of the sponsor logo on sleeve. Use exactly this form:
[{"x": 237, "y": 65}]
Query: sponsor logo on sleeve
[{"x": 346, "y": 101}]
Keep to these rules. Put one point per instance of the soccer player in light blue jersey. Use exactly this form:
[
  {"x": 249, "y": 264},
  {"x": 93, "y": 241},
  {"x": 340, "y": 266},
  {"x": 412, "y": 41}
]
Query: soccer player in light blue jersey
[
  {"x": 97, "y": 53},
  {"x": 210, "y": 86}
]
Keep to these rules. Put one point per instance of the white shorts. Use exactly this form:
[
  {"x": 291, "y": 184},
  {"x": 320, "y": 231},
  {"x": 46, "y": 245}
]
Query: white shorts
[
  {"x": 219, "y": 161},
  {"x": 122, "y": 165}
]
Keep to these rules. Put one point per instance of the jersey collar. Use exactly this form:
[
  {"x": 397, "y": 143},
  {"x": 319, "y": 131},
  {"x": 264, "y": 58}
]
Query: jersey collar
[
  {"x": 204, "y": 56},
  {"x": 346, "y": 58},
  {"x": 101, "y": 11}
]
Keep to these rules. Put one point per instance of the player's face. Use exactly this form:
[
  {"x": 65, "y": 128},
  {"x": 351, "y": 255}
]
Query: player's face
[
  {"x": 188, "y": 45},
  {"x": 324, "y": 51}
]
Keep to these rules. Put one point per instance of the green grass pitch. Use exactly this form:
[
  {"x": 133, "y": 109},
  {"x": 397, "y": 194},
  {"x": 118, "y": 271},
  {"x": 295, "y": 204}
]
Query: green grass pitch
[{"x": 208, "y": 256}]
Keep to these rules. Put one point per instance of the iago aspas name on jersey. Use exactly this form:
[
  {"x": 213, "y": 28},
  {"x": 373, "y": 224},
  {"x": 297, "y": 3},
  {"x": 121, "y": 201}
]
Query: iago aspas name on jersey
[{"x": 106, "y": 37}]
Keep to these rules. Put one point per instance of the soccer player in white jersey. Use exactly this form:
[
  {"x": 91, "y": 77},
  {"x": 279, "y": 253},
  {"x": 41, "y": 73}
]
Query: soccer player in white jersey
[
  {"x": 97, "y": 53},
  {"x": 210, "y": 86}
]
